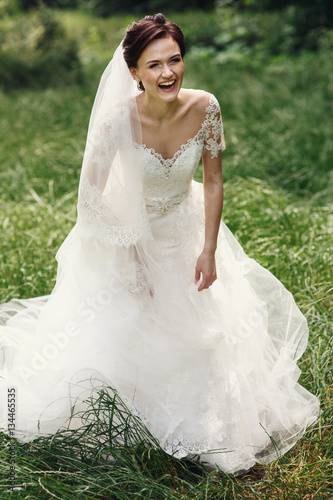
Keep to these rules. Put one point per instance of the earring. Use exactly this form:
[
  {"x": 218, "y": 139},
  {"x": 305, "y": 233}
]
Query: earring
[{"x": 140, "y": 85}]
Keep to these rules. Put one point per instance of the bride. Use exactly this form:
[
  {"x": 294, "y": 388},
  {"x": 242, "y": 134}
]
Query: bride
[{"x": 154, "y": 296}]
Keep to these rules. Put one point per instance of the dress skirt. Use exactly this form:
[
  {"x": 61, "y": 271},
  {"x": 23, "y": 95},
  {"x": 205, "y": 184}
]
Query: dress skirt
[{"x": 211, "y": 374}]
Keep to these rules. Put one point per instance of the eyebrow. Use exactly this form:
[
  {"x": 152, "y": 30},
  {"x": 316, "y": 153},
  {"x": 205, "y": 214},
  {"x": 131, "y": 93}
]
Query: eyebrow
[{"x": 157, "y": 60}]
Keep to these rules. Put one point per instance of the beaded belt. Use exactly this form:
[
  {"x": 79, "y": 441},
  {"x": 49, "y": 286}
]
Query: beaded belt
[{"x": 164, "y": 205}]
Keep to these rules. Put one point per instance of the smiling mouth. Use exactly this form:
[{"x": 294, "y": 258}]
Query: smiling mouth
[{"x": 166, "y": 86}]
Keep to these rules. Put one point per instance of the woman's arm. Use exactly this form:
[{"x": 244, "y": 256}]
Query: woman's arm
[{"x": 213, "y": 196}]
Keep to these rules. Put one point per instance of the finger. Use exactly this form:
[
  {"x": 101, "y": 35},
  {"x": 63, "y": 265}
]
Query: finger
[
  {"x": 204, "y": 284},
  {"x": 207, "y": 281},
  {"x": 197, "y": 276}
]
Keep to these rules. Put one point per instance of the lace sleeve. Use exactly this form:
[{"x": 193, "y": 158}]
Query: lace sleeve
[{"x": 213, "y": 129}]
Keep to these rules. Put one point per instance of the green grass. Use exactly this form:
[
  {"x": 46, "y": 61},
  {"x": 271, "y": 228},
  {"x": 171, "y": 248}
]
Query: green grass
[{"x": 278, "y": 203}]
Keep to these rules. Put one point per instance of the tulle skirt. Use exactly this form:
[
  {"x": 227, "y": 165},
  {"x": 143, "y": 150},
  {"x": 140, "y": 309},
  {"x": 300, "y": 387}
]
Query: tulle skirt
[{"x": 211, "y": 374}]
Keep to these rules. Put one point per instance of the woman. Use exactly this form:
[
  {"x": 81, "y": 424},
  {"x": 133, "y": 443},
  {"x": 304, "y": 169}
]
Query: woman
[{"x": 209, "y": 365}]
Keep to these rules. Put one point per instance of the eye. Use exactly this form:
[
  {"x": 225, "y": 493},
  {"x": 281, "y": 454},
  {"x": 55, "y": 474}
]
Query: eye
[
  {"x": 153, "y": 65},
  {"x": 176, "y": 60}
]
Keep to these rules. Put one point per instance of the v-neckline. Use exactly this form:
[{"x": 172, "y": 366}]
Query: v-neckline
[{"x": 168, "y": 162}]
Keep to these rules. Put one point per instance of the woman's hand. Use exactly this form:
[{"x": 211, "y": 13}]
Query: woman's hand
[{"x": 206, "y": 270}]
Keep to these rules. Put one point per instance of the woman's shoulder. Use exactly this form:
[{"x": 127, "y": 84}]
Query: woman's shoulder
[{"x": 199, "y": 100}]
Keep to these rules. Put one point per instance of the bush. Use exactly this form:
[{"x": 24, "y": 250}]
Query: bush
[
  {"x": 277, "y": 26},
  {"x": 319, "y": 12},
  {"x": 234, "y": 34},
  {"x": 200, "y": 29},
  {"x": 106, "y": 8},
  {"x": 33, "y": 4},
  {"x": 35, "y": 51},
  {"x": 8, "y": 7}
]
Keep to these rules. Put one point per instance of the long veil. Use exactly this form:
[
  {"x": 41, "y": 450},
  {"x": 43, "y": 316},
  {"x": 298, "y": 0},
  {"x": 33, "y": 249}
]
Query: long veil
[
  {"x": 102, "y": 264},
  {"x": 112, "y": 289},
  {"x": 112, "y": 216}
]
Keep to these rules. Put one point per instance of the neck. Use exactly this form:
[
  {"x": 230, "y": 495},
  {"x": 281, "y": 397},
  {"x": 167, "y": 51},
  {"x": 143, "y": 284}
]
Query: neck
[{"x": 158, "y": 109}]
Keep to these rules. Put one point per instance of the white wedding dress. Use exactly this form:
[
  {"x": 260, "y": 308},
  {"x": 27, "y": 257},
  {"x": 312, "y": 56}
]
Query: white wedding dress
[{"x": 210, "y": 373}]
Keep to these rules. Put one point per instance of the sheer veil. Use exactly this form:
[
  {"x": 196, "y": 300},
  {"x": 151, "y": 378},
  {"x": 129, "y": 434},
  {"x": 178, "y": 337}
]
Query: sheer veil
[
  {"x": 103, "y": 264},
  {"x": 112, "y": 218},
  {"x": 110, "y": 191}
]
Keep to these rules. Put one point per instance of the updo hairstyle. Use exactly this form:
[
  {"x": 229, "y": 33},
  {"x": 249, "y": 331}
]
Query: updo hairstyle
[{"x": 140, "y": 34}]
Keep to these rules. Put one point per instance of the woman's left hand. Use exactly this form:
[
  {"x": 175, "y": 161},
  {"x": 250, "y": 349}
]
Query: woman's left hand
[{"x": 206, "y": 270}]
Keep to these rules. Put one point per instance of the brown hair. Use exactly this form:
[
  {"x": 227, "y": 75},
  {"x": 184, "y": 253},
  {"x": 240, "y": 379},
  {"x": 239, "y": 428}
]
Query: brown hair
[{"x": 140, "y": 34}]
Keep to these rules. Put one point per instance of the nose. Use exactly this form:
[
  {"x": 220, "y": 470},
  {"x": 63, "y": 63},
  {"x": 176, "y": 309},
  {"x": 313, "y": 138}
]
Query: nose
[{"x": 167, "y": 72}]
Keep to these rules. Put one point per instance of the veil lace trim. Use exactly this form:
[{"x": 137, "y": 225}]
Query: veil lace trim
[{"x": 98, "y": 220}]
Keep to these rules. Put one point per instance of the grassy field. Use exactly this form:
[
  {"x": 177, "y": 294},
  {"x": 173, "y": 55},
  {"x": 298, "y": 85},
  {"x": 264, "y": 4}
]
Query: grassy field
[{"x": 278, "y": 202}]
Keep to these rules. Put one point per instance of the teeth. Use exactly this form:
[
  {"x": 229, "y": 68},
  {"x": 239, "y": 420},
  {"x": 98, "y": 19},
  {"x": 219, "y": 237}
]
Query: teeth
[{"x": 167, "y": 84}]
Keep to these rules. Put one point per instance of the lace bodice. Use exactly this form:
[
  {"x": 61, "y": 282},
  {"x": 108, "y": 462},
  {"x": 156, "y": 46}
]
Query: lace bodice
[
  {"x": 166, "y": 181},
  {"x": 113, "y": 195}
]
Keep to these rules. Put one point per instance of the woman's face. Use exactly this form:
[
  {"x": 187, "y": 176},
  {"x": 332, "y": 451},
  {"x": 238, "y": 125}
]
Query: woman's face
[{"x": 161, "y": 69}]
